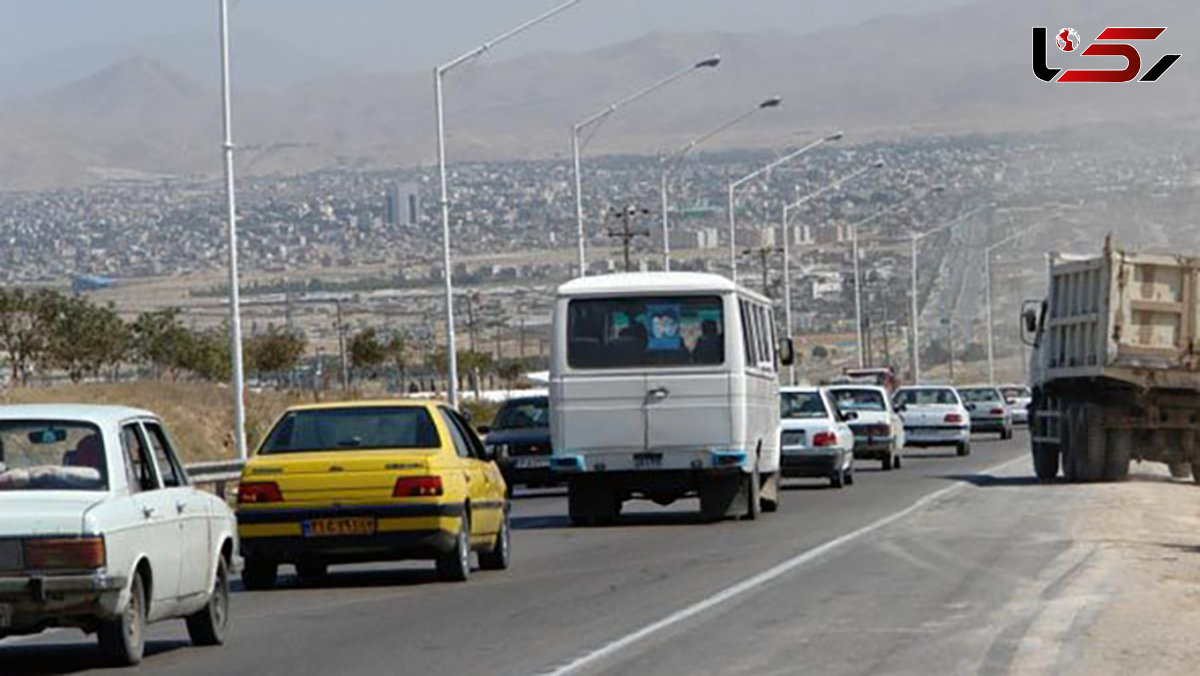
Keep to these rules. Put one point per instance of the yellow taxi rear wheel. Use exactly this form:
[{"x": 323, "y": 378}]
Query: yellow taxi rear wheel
[
  {"x": 498, "y": 557},
  {"x": 455, "y": 565}
]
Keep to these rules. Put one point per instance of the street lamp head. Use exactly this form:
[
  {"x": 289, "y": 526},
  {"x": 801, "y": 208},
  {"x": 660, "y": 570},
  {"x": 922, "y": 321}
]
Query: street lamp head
[
  {"x": 836, "y": 136},
  {"x": 711, "y": 62},
  {"x": 772, "y": 102}
]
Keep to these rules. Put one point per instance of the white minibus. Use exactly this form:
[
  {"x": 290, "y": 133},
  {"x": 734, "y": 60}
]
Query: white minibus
[{"x": 664, "y": 385}]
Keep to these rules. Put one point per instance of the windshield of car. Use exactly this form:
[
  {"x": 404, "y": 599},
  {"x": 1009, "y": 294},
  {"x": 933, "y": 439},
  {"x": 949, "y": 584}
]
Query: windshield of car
[
  {"x": 926, "y": 397},
  {"x": 523, "y": 415},
  {"x": 366, "y": 428},
  {"x": 859, "y": 400},
  {"x": 802, "y": 405},
  {"x": 979, "y": 394},
  {"x": 1011, "y": 393},
  {"x": 51, "y": 455},
  {"x": 635, "y": 332}
]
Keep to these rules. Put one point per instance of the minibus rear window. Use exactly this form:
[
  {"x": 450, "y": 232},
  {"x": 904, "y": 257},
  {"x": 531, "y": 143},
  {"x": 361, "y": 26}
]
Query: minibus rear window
[{"x": 608, "y": 333}]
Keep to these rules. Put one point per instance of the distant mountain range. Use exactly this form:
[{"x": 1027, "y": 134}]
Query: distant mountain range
[{"x": 959, "y": 70}]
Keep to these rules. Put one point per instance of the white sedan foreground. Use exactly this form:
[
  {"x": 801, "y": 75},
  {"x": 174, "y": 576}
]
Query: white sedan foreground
[{"x": 100, "y": 530}]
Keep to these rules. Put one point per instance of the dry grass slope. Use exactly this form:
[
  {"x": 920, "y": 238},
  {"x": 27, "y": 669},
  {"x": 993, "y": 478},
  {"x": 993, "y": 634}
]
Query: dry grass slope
[{"x": 199, "y": 415}]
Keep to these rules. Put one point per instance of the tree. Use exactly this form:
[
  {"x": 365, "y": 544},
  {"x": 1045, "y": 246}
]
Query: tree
[
  {"x": 84, "y": 339},
  {"x": 367, "y": 352},
  {"x": 510, "y": 372},
  {"x": 162, "y": 341},
  {"x": 275, "y": 351},
  {"x": 26, "y": 321},
  {"x": 396, "y": 356}
]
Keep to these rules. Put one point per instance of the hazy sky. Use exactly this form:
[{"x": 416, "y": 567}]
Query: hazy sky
[{"x": 409, "y": 34}]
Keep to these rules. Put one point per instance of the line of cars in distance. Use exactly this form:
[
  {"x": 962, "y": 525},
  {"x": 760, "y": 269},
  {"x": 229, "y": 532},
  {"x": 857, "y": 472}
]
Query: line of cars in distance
[{"x": 825, "y": 429}]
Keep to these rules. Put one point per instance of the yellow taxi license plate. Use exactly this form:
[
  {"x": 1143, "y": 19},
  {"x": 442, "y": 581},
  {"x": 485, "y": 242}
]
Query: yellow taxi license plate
[{"x": 345, "y": 526}]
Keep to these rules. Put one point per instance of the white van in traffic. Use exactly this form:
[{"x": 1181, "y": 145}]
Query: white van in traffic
[{"x": 665, "y": 385}]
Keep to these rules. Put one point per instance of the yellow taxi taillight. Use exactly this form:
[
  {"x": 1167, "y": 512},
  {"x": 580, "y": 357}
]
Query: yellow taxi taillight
[
  {"x": 85, "y": 553},
  {"x": 417, "y": 487}
]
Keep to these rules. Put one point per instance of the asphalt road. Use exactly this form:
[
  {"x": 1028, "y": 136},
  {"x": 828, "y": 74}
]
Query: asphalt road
[{"x": 929, "y": 569}]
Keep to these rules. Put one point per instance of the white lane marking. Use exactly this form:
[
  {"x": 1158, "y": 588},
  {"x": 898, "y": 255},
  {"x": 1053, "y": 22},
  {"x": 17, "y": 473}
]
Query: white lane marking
[{"x": 604, "y": 652}]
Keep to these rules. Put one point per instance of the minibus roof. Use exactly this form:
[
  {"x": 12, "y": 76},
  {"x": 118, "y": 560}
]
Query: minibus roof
[{"x": 644, "y": 283}]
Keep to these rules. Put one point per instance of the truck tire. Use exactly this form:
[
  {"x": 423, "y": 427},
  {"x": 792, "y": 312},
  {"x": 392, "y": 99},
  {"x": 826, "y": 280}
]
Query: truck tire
[
  {"x": 887, "y": 462},
  {"x": 1066, "y": 444},
  {"x": 1180, "y": 470},
  {"x": 1095, "y": 443},
  {"x": 1045, "y": 461},
  {"x": 1117, "y": 453},
  {"x": 1196, "y": 471}
]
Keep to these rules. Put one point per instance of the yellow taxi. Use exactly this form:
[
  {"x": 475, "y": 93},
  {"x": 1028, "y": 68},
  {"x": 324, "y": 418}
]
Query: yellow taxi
[{"x": 371, "y": 481}]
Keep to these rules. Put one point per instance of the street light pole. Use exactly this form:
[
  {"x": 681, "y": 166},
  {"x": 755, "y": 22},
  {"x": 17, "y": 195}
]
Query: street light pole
[
  {"x": 914, "y": 315},
  {"x": 235, "y": 312},
  {"x": 597, "y": 118},
  {"x": 858, "y": 318},
  {"x": 787, "y": 278},
  {"x": 753, "y": 175},
  {"x": 987, "y": 275},
  {"x": 665, "y": 168},
  {"x": 439, "y": 111}
]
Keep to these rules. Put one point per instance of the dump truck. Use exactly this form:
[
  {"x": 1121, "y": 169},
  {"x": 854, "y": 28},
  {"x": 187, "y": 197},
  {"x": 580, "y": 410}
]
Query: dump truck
[{"x": 1114, "y": 369}]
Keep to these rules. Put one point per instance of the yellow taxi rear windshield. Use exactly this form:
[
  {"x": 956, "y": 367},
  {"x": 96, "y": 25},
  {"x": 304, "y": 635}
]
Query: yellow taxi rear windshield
[{"x": 366, "y": 428}]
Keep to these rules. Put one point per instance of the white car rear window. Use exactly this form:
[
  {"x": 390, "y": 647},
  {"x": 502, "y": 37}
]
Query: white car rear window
[{"x": 51, "y": 455}]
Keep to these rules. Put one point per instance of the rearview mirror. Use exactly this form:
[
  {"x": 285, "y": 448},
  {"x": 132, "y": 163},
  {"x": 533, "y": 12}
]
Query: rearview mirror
[
  {"x": 900, "y": 408},
  {"x": 1030, "y": 318},
  {"x": 850, "y": 415},
  {"x": 483, "y": 429},
  {"x": 970, "y": 406},
  {"x": 787, "y": 352},
  {"x": 50, "y": 435}
]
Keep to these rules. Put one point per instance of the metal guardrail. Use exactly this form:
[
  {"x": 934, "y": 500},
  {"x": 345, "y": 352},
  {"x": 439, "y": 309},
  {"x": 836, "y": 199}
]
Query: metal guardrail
[{"x": 220, "y": 475}]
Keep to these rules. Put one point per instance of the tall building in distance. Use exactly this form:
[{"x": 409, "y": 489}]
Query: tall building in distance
[{"x": 402, "y": 206}]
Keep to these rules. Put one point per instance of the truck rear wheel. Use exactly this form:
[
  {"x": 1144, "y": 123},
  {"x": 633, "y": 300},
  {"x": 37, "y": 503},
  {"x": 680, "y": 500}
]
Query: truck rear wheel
[
  {"x": 1180, "y": 470},
  {"x": 1095, "y": 443},
  {"x": 1045, "y": 461}
]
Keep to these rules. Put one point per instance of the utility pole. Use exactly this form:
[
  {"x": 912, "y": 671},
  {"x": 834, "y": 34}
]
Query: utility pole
[
  {"x": 764, "y": 258},
  {"x": 341, "y": 336},
  {"x": 522, "y": 340},
  {"x": 627, "y": 233}
]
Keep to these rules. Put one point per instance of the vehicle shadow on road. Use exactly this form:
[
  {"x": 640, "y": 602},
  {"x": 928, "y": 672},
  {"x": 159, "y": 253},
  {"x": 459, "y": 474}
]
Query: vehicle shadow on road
[
  {"x": 350, "y": 579},
  {"x": 631, "y": 519},
  {"x": 817, "y": 485},
  {"x": 68, "y": 658},
  {"x": 988, "y": 480},
  {"x": 927, "y": 455}
]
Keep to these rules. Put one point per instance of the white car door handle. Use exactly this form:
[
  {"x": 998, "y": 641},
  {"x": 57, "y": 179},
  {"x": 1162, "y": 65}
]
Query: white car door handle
[
  {"x": 180, "y": 507},
  {"x": 148, "y": 512}
]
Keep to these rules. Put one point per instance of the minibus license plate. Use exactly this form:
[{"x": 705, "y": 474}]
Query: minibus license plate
[
  {"x": 647, "y": 460},
  {"x": 344, "y": 526}
]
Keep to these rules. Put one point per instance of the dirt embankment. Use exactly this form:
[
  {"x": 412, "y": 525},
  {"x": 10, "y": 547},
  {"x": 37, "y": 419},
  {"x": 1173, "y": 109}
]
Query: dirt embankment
[{"x": 1146, "y": 534}]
